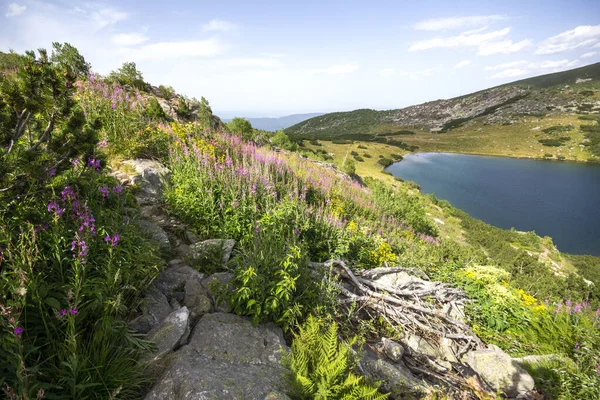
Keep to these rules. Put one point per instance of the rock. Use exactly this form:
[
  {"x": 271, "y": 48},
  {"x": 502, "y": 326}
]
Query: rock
[
  {"x": 395, "y": 378},
  {"x": 169, "y": 335},
  {"x": 173, "y": 279},
  {"x": 191, "y": 237},
  {"x": 277, "y": 396},
  {"x": 196, "y": 298},
  {"x": 219, "y": 283},
  {"x": 417, "y": 344},
  {"x": 227, "y": 358},
  {"x": 174, "y": 304},
  {"x": 232, "y": 338},
  {"x": 154, "y": 232},
  {"x": 501, "y": 372},
  {"x": 152, "y": 175},
  {"x": 393, "y": 350},
  {"x": 212, "y": 249},
  {"x": 155, "y": 309},
  {"x": 175, "y": 262}
]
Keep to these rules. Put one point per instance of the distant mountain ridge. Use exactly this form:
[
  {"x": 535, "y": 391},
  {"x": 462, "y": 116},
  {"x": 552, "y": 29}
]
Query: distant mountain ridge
[
  {"x": 575, "y": 90},
  {"x": 277, "y": 123}
]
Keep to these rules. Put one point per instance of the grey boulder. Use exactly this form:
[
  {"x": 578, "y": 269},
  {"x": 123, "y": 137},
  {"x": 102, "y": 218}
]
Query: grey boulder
[
  {"x": 500, "y": 371},
  {"x": 226, "y": 358}
]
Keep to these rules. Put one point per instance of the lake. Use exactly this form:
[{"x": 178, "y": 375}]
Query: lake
[{"x": 556, "y": 199}]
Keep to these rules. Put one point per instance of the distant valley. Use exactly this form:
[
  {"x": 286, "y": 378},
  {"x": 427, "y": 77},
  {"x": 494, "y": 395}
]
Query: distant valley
[{"x": 277, "y": 123}]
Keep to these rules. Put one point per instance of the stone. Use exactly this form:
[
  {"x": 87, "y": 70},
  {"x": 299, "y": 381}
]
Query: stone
[
  {"x": 191, "y": 237},
  {"x": 154, "y": 232},
  {"x": 393, "y": 350},
  {"x": 416, "y": 344},
  {"x": 232, "y": 338},
  {"x": 227, "y": 358},
  {"x": 173, "y": 279},
  {"x": 196, "y": 298},
  {"x": 155, "y": 309},
  {"x": 152, "y": 174},
  {"x": 500, "y": 371},
  {"x": 277, "y": 396},
  {"x": 395, "y": 378},
  {"x": 211, "y": 249},
  {"x": 169, "y": 335},
  {"x": 216, "y": 284},
  {"x": 174, "y": 304}
]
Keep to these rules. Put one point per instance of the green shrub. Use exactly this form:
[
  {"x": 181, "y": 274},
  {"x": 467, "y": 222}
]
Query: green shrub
[
  {"x": 367, "y": 155},
  {"x": 385, "y": 162},
  {"x": 348, "y": 166},
  {"x": 359, "y": 158},
  {"x": 166, "y": 92},
  {"x": 396, "y": 157},
  {"x": 321, "y": 367},
  {"x": 341, "y": 141},
  {"x": 241, "y": 127},
  {"x": 129, "y": 75},
  {"x": 558, "y": 129},
  {"x": 360, "y": 146},
  {"x": 154, "y": 111},
  {"x": 354, "y": 153},
  {"x": 554, "y": 142},
  {"x": 315, "y": 142},
  {"x": 588, "y": 117}
]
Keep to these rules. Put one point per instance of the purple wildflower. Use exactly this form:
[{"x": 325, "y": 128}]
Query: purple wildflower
[
  {"x": 103, "y": 143},
  {"x": 93, "y": 163},
  {"x": 63, "y": 312},
  {"x": 576, "y": 346},
  {"x": 113, "y": 106},
  {"x": 112, "y": 241},
  {"x": 51, "y": 172},
  {"x": 117, "y": 189},
  {"x": 104, "y": 190},
  {"x": 73, "y": 311},
  {"x": 18, "y": 331}
]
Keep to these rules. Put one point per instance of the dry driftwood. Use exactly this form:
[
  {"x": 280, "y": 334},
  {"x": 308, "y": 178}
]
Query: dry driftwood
[{"x": 418, "y": 306}]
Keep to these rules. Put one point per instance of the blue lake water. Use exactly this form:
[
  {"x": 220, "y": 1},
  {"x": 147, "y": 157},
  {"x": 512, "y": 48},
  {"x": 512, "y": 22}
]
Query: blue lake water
[{"x": 556, "y": 199}]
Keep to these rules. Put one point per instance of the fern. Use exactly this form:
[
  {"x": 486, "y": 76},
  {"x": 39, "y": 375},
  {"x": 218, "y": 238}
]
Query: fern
[{"x": 321, "y": 366}]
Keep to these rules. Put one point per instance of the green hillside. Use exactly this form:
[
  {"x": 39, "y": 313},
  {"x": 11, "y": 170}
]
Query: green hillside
[{"x": 507, "y": 113}]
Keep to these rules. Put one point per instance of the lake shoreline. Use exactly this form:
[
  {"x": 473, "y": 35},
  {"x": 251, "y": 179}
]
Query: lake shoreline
[
  {"x": 588, "y": 161},
  {"x": 556, "y": 200}
]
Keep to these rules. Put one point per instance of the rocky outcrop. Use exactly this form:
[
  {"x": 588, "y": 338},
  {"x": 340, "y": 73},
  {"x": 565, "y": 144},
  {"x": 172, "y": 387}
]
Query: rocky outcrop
[
  {"x": 226, "y": 358},
  {"x": 500, "y": 371},
  {"x": 212, "y": 249}
]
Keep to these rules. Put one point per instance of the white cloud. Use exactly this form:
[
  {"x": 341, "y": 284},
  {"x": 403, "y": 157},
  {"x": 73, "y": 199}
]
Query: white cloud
[
  {"x": 337, "y": 69},
  {"x": 426, "y": 72},
  {"x": 219, "y": 25},
  {"x": 15, "y": 10},
  {"x": 512, "y": 64},
  {"x": 438, "y": 24},
  {"x": 387, "y": 72},
  {"x": 503, "y": 47},
  {"x": 596, "y": 46},
  {"x": 462, "y": 64},
  {"x": 253, "y": 62},
  {"x": 581, "y": 36},
  {"x": 166, "y": 50},
  {"x": 462, "y": 40},
  {"x": 129, "y": 39},
  {"x": 525, "y": 68},
  {"x": 511, "y": 73},
  {"x": 105, "y": 16},
  {"x": 590, "y": 54}
]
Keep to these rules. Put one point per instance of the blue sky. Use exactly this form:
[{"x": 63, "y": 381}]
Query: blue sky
[{"x": 272, "y": 58}]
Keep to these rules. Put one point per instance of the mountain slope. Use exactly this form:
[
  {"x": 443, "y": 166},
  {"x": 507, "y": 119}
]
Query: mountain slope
[
  {"x": 573, "y": 91},
  {"x": 275, "y": 124}
]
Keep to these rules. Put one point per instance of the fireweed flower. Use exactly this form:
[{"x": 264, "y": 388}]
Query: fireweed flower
[
  {"x": 576, "y": 346},
  {"x": 117, "y": 189},
  {"x": 63, "y": 312},
  {"x": 18, "y": 331},
  {"x": 112, "y": 241},
  {"x": 73, "y": 311},
  {"x": 103, "y": 143},
  {"x": 104, "y": 191}
]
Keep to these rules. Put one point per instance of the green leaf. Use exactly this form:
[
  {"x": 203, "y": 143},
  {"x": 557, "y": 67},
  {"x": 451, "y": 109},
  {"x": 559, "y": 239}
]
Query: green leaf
[{"x": 52, "y": 302}]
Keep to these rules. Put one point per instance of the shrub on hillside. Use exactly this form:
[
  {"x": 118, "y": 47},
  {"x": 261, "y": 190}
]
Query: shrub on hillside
[{"x": 385, "y": 162}]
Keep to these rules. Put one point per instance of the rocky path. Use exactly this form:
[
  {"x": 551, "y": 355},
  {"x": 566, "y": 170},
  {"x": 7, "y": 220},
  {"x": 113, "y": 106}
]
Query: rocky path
[{"x": 202, "y": 350}]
